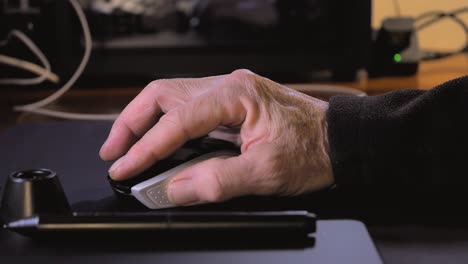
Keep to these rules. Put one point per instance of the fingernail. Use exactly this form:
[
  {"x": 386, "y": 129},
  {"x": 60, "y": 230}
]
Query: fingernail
[
  {"x": 113, "y": 170},
  {"x": 182, "y": 191},
  {"x": 103, "y": 147}
]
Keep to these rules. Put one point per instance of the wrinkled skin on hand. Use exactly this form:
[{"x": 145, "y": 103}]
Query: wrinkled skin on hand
[{"x": 282, "y": 133}]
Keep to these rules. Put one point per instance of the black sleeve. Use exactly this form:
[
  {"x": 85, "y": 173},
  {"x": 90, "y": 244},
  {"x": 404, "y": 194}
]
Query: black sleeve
[{"x": 408, "y": 138}]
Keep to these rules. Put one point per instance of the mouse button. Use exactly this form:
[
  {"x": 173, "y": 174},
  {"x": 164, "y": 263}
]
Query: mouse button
[
  {"x": 158, "y": 168},
  {"x": 121, "y": 187}
]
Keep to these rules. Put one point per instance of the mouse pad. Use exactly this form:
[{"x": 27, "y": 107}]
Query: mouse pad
[{"x": 71, "y": 149}]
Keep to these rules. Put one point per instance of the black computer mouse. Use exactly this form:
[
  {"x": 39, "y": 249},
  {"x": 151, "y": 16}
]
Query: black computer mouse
[{"x": 149, "y": 186}]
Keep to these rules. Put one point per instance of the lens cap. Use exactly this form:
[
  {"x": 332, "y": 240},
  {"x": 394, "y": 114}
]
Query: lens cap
[{"x": 31, "y": 192}]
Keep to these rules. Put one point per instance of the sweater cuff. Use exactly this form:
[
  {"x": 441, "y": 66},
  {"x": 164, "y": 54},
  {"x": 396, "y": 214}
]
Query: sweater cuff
[{"x": 343, "y": 119}]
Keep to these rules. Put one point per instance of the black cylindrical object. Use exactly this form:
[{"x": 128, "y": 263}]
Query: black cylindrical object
[{"x": 31, "y": 192}]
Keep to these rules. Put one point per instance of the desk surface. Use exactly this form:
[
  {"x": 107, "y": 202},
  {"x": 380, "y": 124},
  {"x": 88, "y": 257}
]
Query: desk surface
[{"x": 83, "y": 178}]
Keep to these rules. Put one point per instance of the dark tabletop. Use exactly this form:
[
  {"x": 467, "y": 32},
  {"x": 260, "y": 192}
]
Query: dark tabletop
[{"x": 71, "y": 149}]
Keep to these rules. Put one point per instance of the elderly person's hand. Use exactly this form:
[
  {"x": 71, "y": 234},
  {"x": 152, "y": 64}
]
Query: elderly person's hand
[{"x": 282, "y": 132}]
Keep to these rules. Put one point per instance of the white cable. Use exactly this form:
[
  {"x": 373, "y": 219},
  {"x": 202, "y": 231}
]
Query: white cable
[
  {"x": 37, "y": 106},
  {"x": 26, "y": 65},
  {"x": 396, "y": 6},
  {"x": 44, "y": 74},
  {"x": 75, "y": 116},
  {"x": 79, "y": 70}
]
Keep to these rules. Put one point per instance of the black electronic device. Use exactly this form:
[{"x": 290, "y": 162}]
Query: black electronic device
[
  {"x": 149, "y": 187},
  {"x": 395, "y": 49},
  {"x": 174, "y": 225}
]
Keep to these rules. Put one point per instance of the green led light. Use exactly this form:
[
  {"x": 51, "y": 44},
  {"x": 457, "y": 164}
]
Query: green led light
[{"x": 397, "y": 57}]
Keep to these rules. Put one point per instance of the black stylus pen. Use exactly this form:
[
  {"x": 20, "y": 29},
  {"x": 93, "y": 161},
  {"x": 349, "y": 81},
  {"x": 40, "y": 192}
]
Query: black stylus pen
[{"x": 292, "y": 223}]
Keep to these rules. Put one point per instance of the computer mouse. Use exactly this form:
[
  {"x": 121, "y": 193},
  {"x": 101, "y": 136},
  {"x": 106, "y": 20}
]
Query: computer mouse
[{"x": 149, "y": 187}]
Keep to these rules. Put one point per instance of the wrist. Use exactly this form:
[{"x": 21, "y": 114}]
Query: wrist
[{"x": 327, "y": 164}]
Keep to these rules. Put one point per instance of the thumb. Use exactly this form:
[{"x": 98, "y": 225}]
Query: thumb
[{"x": 214, "y": 180}]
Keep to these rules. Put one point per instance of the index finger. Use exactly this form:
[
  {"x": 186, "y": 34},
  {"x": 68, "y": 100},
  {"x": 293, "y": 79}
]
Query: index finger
[{"x": 144, "y": 111}]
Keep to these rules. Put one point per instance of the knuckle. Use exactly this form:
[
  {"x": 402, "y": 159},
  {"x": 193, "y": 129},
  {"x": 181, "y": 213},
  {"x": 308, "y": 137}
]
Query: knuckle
[
  {"x": 242, "y": 72},
  {"x": 253, "y": 84},
  {"x": 145, "y": 152},
  {"x": 123, "y": 122},
  {"x": 158, "y": 84},
  {"x": 245, "y": 78},
  {"x": 214, "y": 189},
  {"x": 160, "y": 90},
  {"x": 214, "y": 194},
  {"x": 177, "y": 121}
]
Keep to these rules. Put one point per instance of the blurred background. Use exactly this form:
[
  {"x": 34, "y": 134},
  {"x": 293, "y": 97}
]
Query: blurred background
[
  {"x": 135, "y": 41},
  {"x": 48, "y": 47},
  {"x": 444, "y": 35}
]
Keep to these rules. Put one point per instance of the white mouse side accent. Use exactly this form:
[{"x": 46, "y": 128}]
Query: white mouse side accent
[{"x": 152, "y": 192}]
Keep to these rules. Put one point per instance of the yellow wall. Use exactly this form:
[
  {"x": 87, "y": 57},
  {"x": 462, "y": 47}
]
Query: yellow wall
[{"x": 444, "y": 35}]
